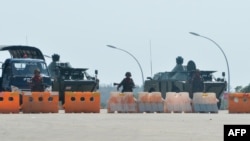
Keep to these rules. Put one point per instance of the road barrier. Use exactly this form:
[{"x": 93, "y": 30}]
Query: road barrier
[
  {"x": 121, "y": 103},
  {"x": 205, "y": 102},
  {"x": 177, "y": 102},
  {"x": 40, "y": 102},
  {"x": 239, "y": 103},
  {"x": 9, "y": 102},
  {"x": 89, "y": 102},
  {"x": 150, "y": 102},
  {"x": 86, "y": 102}
]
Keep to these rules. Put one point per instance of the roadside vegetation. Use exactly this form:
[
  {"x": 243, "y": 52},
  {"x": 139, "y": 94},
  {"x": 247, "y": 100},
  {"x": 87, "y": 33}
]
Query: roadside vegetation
[{"x": 245, "y": 89}]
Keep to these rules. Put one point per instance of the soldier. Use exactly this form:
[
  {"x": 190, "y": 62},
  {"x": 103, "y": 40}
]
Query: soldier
[
  {"x": 197, "y": 82},
  {"x": 52, "y": 66},
  {"x": 178, "y": 71},
  {"x": 127, "y": 83},
  {"x": 37, "y": 81},
  {"x": 178, "y": 67}
]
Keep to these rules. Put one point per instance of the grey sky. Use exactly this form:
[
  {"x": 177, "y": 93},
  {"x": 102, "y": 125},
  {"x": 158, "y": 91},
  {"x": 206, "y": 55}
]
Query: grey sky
[{"x": 79, "y": 31}]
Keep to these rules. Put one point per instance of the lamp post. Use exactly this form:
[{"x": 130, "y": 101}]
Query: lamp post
[
  {"x": 133, "y": 57},
  {"x": 195, "y": 34}
]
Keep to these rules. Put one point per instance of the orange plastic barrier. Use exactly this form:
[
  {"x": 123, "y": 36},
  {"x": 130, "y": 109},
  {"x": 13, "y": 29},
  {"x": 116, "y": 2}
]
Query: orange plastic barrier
[
  {"x": 143, "y": 97},
  {"x": 9, "y": 102},
  {"x": 121, "y": 103},
  {"x": 82, "y": 102},
  {"x": 205, "y": 102},
  {"x": 239, "y": 103},
  {"x": 177, "y": 102},
  {"x": 150, "y": 102},
  {"x": 40, "y": 102}
]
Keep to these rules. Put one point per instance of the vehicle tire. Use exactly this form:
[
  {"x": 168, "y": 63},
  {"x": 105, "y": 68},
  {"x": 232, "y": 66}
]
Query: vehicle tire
[{"x": 151, "y": 90}]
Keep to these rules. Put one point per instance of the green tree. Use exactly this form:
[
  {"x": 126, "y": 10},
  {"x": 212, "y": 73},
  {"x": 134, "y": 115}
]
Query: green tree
[
  {"x": 245, "y": 89},
  {"x": 238, "y": 88}
]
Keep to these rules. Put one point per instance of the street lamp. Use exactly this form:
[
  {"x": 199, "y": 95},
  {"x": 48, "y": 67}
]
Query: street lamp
[
  {"x": 195, "y": 34},
  {"x": 133, "y": 57}
]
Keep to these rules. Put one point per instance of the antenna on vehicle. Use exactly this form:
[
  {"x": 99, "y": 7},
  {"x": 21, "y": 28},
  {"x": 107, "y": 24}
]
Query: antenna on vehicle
[
  {"x": 47, "y": 56},
  {"x": 26, "y": 40},
  {"x": 150, "y": 57}
]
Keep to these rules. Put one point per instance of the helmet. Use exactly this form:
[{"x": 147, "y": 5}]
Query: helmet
[
  {"x": 191, "y": 66},
  {"x": 128, "y": 74},
  {"x": 55, "y": 57},
  {"x": 179, "y": 60},
  {"x": 36, "y": 71}
]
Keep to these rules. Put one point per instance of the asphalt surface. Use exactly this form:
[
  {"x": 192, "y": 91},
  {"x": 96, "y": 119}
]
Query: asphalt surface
[{"x": 105, "y": 126}]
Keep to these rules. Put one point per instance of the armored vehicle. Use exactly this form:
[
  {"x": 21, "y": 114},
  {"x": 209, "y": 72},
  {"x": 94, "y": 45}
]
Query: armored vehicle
[
  {"x": 67, "y": 78},
  {"x": 186, "y": 79},
  {"x": 18, "y": 70}
]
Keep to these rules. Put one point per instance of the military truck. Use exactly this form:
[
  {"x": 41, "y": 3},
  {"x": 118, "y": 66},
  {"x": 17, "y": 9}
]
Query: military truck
[
  {"x": 18, "y": 69},
  {"x": 67, "y": 78},
  {"x": 180, "y": 79}
]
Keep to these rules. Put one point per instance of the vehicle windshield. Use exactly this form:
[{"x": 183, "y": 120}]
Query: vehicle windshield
[{"x": 27, "y": 68}]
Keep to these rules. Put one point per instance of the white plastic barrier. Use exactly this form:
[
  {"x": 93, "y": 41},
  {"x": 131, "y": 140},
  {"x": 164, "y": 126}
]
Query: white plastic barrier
[
  {"x": 177, "y": 102},
  {"x": 122, "y": 102},
  {"x": 205, "y": 102},
  {"x": 150, "y": 102}
]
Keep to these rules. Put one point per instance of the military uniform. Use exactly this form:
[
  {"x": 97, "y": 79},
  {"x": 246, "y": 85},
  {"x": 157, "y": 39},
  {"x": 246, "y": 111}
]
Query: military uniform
[{"x": 127, "y": 83}]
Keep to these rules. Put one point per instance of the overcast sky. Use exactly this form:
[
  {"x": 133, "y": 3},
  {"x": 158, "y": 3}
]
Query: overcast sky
[{"x": 79, "y": 31}]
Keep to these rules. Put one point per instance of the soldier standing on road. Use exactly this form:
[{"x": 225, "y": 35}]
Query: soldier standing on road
[
  {"x": 127, "y": 83},
  {"x": 37, "y": 81}
]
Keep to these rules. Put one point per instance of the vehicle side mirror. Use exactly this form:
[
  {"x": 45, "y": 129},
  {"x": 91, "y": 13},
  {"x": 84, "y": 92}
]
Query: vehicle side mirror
[
  {"x": 1, "y": 65},
  {"x": 223, "y": 74}
]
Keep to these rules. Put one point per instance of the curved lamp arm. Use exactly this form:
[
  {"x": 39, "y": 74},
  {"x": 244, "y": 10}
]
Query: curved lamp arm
[
  {"x": 131, "y": 56},
  {"x": 222, "y": 53}
]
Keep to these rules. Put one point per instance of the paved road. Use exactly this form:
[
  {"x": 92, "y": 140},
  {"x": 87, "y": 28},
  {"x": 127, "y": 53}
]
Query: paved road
[{"x": 105, "y": 126}]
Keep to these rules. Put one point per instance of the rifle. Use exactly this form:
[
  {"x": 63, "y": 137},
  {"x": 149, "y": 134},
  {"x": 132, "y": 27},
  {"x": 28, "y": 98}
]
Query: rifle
[{"x": 116, "y": 84}]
